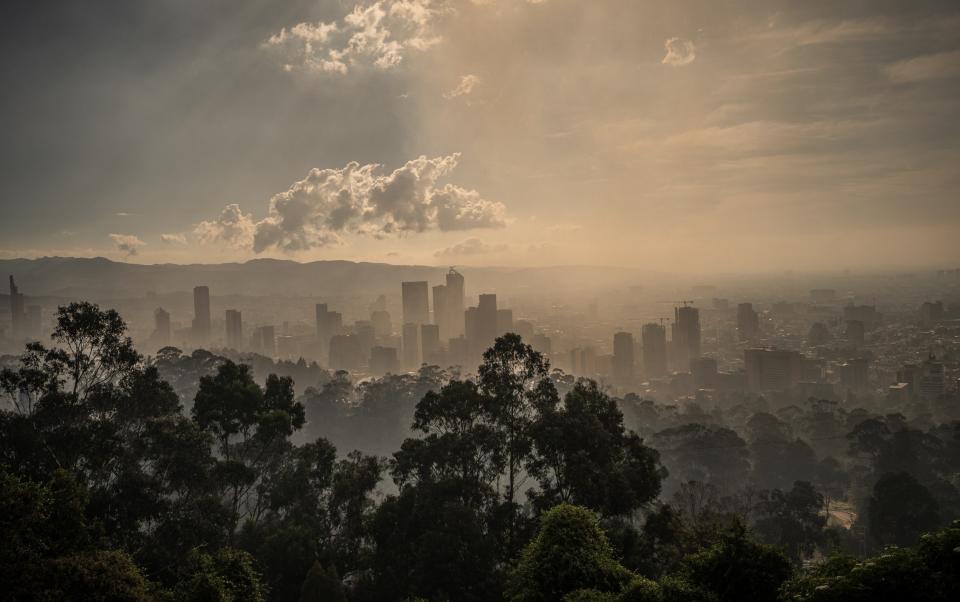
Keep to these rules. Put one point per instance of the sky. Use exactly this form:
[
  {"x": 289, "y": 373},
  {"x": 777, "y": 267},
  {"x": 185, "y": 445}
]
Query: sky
[{"x": 686, "y": 136}]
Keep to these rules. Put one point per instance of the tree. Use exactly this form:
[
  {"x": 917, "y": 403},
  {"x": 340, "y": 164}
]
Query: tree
[
  {"x": 322, "y": 585},
  {"x": 583, "y": 455},
  {"x": 793, "y": 520},
  {"x": 900, "y": 510},
  {"x": 707, "y": 453},
  {"x": 227, "y": 576},
  {"x": 738, "y": 569},
  {"x": 570, "y": 552},
  {"x": 516, "y": 381},
  {"x": 252, "y": 426}
]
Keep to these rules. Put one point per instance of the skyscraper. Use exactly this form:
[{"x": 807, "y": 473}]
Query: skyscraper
[
  {"x": 686, "y": 337},
  {"x": 430, "y": 343},
  {"x": 16, "y": 310},
  {"x": 654, "y": 350},
  {"x": 748, "y": 322},
  {"x": 623, "y": 357},
  {"x": 329, "y": 325},
  {"x": 441, "y": 313},
  {"x": 416, "y": 303},
  {"x": 201, "y": 314},
  {"x": 487, "y": 321},
  {"x": 234, "y": 330},
  {"x": 382, "y": 325},
  {"x": 772, "y": 369},
  {"x": 411, "y": 346},
  {"x": 454, "y": 301},
  {"x": 161, "y": 327}
]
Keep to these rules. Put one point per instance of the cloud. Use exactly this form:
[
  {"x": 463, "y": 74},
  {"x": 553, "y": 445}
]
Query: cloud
[
  {"x": 232, "y": 226},
  {"x": 180, "y": 239},
  {"x": 466, "y": 86},
  {"x": 470, "y": 246},
  {"x": 356, "y": 199},
  {"x": 127, "y": 244},
  {"x": 679, "y": 52},
  {"x": 944, "y": 65},
  {"x": 379, "y": 34}
]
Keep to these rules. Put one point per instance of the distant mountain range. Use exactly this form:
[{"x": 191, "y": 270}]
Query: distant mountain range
[{"x": 101, "y": 278}]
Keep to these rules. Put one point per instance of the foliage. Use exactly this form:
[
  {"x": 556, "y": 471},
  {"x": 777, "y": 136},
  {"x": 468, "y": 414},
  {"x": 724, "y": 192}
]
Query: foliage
[{"x": 570, "y": 552}]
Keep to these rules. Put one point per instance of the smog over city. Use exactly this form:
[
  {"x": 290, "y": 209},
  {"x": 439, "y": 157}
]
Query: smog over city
[{"x": 469, "y": 300}]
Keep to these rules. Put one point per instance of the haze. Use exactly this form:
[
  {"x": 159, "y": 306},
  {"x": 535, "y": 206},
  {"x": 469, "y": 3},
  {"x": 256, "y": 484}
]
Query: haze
[{"x": 677, "y": 137}]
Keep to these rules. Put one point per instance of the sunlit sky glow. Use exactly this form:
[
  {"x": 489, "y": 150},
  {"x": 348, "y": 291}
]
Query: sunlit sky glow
[{"x": 687, "y": 136}]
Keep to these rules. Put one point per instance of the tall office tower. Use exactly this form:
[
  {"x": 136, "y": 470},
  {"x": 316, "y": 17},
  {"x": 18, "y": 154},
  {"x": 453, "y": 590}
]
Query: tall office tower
[
  {"x": 264, "y": 341},
  {"x": 382, "y": 326},
  {"x": 416, "y": 303},
  {"x": 234, "y": 330},
  {"x": 686, "y": 337},
  {"x": 487, "y": 321},
  {"x": 33, "y": 322},
  {"x": 583, "y": 361},
  {"x": 654, "y": 350},
  {"x": 748, "y": 322},
  {"x": 471, "y": 319},
  {"x": 16, "y": 310},
  {"x": 454, "y": 300},
  {"x": 345, "y": 352},
  {"x": 772, "y": 369},
  {"x": 366, "y": 336},
  {"x": 504, "y": 321},
  {"x": 623, "y": 357},
  {"x": 329, "y": 325},
  {"x": 161, "y": 327},
  {"x": 201, "y": 314},
  {"x": 931, "y": 382},
  {"x": 441, "y": 313},
  {"x": 430, "y": 344},
  {"x": 704, "y": 371},
  {"x": 856, "y": 332},
  {"x": 411, "y": 346},
  {"x": 854, "y": 375},
  {"x": 383, "y": 360}
]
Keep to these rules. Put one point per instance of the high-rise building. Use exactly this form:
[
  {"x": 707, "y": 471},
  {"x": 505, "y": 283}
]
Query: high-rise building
[
  {"x": 583, "y": 361},
  {"x": 382, "y": 325},
  {"x": 416, "y": 303},
  {"x": 704, "y": 371},
  {"x": 856, "y": 332},
  {"x": 411, "y": 346},
  {"x": 329, "y": 325},
  {"x": 234, "y": 330},
  {"x": 686, "y": 336},
  {"x": 430, "y": 344},
  {"x": 772, "y": 369},
  {"x": 489, "y": 318},
  {"x": 623, "y": 357},
  {"x": 161, "y": 328},
  {"x": 345, "y": 352},
  {"x": 201, "y": 314},
  {"x": 16, "y": 310},
  {"x": 654, "y": 339},
  {"x": 441, "y": 313},
  {"x": 454, "y": 302},
  {"x": 542, "y": 344},
  {"x": 748, "y": 322},
  {"x": 383, "y": 360},
  {"x": 263, "y": 341},
  {"x": 854, "y": 375}
]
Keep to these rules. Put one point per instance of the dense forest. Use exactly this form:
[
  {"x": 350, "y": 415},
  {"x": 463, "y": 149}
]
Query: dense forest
[{"x": 207, "y": 477}]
